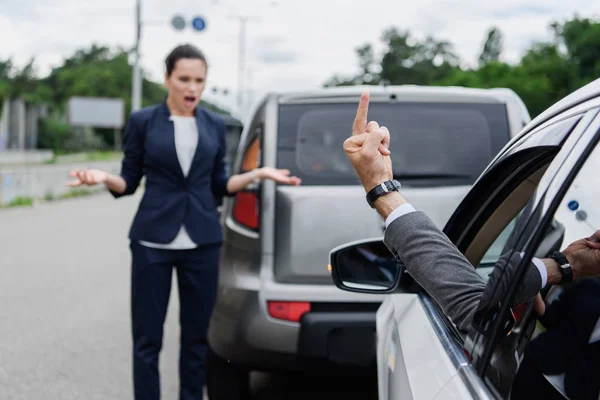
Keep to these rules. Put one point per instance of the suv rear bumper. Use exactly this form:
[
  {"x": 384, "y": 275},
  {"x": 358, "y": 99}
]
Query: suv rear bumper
[
  {"x": 242, "y": 331},
  {"x": 341, "y": 337}
]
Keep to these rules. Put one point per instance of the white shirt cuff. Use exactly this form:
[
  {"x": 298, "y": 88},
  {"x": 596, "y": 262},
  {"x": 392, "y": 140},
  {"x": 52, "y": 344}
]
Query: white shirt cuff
[
  {"x": 543, "y": 271},
  {"x": 404, "y": 209},
  {"x": 541, "y": 267}
]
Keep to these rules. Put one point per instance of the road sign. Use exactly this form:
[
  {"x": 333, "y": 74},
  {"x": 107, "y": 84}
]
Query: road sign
[
  {"x": 573, "y": 205},
  {"x": 97, "y": 112},
  {"x": 199, "y": 23},
  {"x": 178, "y": 22}
]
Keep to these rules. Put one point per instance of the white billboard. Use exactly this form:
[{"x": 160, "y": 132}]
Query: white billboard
[{"x": 96, "y": 112}]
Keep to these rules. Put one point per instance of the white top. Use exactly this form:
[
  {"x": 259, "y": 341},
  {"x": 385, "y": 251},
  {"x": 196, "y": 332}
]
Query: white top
[{"x": 186, "y": 141}]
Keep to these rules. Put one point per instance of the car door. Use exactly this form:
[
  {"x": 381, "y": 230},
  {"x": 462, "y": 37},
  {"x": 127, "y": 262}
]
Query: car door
[
  {"x": 420, "y": 352},
  {"x": 563, "y": 209}
]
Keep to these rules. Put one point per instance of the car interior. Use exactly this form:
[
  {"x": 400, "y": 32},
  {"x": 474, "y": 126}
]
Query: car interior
[{"x": 508, "y": 351}]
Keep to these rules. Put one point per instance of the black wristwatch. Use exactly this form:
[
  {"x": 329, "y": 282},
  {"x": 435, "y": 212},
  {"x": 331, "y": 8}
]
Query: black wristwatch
[
  {"x": 564, "y": 266},
  {"x": 382, "y": 189}
]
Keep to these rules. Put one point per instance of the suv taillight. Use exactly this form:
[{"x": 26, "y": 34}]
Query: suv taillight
[
  {"x": 288, "y": 310},
  {"x": 245, "y": 209}
]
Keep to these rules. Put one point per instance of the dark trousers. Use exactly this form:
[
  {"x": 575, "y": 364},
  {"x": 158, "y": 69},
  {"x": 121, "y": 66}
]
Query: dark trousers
[
  {"x": 197, "y": 275},
  {"x": 531, "y": 384}
]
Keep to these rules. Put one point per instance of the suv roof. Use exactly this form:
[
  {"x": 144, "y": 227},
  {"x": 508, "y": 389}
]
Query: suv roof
[{"x": 397, "y": 92}]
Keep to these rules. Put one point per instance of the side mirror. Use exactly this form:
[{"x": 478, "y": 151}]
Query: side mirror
[{"x": 365, "y": 266}]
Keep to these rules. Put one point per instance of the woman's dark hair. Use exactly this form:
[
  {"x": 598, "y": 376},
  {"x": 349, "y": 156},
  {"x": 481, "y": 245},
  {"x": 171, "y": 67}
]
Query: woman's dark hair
[{"x": 183, "y": 51}]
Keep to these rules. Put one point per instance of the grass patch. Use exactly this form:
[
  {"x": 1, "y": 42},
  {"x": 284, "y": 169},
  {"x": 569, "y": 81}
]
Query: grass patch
[
  {"x": 104, "y": 155},
  {"x": 90, "y": 156},
  {"x": 49, "y": 196},
  {"x": 76, "y": 193},
  {"x": 20, "y": 201},
  {"x": 24, "y": 201}
]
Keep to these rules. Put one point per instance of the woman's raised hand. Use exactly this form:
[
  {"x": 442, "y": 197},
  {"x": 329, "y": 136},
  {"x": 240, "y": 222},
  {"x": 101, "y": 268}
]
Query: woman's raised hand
[{"x": 87, "y": 177}]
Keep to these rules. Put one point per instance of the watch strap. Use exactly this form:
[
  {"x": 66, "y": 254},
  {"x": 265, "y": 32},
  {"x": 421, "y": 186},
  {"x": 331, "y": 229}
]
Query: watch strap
[
  {"x": 382, "y": 189},
  {"x": 563, "y": 265}
]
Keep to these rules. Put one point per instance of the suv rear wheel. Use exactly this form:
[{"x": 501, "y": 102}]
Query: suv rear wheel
[{"x": 226, "y": 380}]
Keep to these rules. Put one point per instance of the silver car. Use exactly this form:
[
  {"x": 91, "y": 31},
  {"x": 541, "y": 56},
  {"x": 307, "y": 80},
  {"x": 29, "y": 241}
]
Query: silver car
[
  {"x": 538, "y": 195},
  {"x": 277, "y": 308}
]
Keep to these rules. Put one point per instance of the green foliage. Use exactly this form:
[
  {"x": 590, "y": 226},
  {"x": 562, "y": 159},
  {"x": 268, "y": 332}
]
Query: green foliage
[
  {"x": 547, "y": 71},
  {"x": 52, "y": 134},
  {"x": 492, "y": 48},
  {"x": 97, "y": 71},
  {"x": 212, "y": 107},
  {"x": 410, "y": 61},
  {"x": 76, "y": 192},
  {"x": 20, "y": 201},
  {"x": 86, "y": 157}
]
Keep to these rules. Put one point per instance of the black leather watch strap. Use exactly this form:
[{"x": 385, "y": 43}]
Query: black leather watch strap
[
  {"x": 564, "y": 266},
  {"x": 382, "y": 189}
]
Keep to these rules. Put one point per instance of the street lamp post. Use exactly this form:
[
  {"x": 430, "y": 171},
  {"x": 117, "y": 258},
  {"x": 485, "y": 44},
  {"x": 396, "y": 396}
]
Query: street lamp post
[
  {"x": 243, "y": 20},
  {"x": 241, "y": 60},
  {"x": 136, "y": 89},
  {"x": 178, "y": 22}
]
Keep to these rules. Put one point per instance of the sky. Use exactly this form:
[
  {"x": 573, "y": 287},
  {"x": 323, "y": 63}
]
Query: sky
[{"x": 290, "y": 44}]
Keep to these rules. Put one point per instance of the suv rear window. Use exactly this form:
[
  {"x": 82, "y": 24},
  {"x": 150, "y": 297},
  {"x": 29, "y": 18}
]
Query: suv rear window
[{"x": 432, "y": 144}]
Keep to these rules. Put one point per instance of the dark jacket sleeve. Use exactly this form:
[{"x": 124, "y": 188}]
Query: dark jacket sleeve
[
  {"x": 220, "y": 173},
  {"x": 133, "y": 147}
]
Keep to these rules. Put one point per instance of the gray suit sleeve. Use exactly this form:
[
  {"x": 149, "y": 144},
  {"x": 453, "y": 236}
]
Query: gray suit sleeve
[
  {"x": 501, "y": 278},
  {"x": 444, "y": 272}
]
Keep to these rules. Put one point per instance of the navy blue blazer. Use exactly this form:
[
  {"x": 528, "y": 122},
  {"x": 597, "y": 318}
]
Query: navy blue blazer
[{"x": 170, "y": 199}]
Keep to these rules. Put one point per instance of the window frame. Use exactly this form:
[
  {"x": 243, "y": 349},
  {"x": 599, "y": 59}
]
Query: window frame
[
  {"x": 500, "y": 178},
  {"x": 581, "y": 147}
]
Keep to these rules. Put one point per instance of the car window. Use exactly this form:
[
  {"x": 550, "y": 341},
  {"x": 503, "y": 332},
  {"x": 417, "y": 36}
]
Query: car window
[
  {"x": 498, "y": 247},
  {"x": 558, "y": 214},
  {"x": 251, "y": 156},
  {"x": 233, "y": 140},
  {"x": 496, "y": 250},
  {"x": 485, "y": 220},
  {"x": 433, "y": 144},
  {"x": 488, "y": 221},
  {"x": 245, "y": 203}
]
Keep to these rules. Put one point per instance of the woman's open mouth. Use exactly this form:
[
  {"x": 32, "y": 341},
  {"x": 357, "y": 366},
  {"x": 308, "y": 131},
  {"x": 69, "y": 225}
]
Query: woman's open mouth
[{"x": 189, "y": 101}]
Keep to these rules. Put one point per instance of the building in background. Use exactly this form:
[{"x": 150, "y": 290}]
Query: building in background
[{"x": 19, "y": 131}]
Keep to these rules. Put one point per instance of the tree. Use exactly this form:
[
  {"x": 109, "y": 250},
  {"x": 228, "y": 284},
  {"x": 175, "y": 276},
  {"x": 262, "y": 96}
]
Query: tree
[
  {"x": 492, "y": 48},
  {"x": 97, "y": 71},
  {"x": 547, "y": 71},
  {"x": 409, "y": 61},
  {"x": 581, "y": 39},
  {"x": 6, "y": 67},
  {"x": 366, "y": 58},
  {"x": 405, "y": 60},
  {"x": 366, "y": 75}
]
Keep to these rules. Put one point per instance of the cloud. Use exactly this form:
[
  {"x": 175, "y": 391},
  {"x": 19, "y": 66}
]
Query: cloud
[
  {"x": 276, "y": 57},
  {"x": 523, "y": 10},
  {"x": 272, "y": 50},
  {"x": 297, "y": 45}
]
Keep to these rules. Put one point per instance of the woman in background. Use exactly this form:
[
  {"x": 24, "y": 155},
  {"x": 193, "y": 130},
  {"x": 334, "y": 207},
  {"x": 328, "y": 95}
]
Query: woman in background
[{"x": 180, "y": 148}]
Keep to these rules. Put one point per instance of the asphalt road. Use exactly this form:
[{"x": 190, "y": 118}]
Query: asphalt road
[{"x": 64, "y": 310}]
